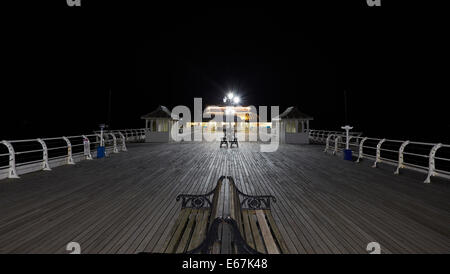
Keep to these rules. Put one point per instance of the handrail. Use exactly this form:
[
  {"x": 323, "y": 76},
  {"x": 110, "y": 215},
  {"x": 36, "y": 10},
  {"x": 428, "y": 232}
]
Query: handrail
[
  {"x": 34, "y": 153},
  {"x": 337, "y": 142},
  {"x": 320, "y": 136}
]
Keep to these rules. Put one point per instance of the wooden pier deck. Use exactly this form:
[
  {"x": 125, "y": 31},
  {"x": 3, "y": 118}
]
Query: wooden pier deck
[{"x": 126, "y": 203}]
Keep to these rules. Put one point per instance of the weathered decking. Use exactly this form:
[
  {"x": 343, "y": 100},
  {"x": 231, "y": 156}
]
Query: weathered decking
[{"x": 126, "y": 203}]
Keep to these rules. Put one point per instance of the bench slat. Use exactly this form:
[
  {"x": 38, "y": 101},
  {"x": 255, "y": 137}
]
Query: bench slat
[
  {"x": 215, "y": 203},
  {"x": 233, "y": 201},
  {"x": 269, "y": 242},
  {"x": 247, "y": 229},
  {"x": 218, "y": 213},
  {"x": 276, "y": 232},
  {"x": 199, "y": 233},
  {"x": 225, "y": 236},
  {"x": 181, "y": 223},
  {"x": 255, "y": 231},
  {"x": 184, "y": 242}
]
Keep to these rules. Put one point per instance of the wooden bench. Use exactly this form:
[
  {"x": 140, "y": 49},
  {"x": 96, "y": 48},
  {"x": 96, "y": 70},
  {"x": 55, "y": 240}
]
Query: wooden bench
[
  {"x": 234, "y": 142},
  {"x": 225, "y": 221},
  {"x": 223, "y": 141}
]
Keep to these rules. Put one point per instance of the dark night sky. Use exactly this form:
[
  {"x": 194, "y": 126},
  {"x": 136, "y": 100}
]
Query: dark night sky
[{"x": 58, "y": 65}]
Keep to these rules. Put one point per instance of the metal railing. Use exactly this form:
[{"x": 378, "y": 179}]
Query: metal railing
[
  {"x": 133, "y": 135},
  {"x": 403, "y": 154},
  {"x": 23, "y": 156},
  {"x": 320, "y": 136}
]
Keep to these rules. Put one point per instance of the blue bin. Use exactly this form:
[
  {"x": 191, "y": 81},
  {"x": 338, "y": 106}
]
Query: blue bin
[
  {"x": 100, "y": 152},
  {"x": 348, "y": 154}
]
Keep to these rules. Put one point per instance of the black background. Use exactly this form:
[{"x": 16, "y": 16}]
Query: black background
[
  {"x": 59, "y": 63},
  {"x": 173, "y": 263}
]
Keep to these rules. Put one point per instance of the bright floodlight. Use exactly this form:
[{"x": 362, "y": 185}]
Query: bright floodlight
[
  {"x": 224, "y": 99},
  {"x": 236, "y": 100},
  {"x": 230, "y": 95}
]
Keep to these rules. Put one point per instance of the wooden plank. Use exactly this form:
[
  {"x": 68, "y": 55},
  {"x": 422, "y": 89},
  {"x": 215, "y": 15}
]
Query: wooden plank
[
  {"x": 175, "y": 239},
  {"x": 276, "y": 232},
  {"x": 225, "y": 247},
  {"x": 216, "y": 248},
  {"x": 269, "y": 242},
  {"x": 255, "y": 232},
  {"x": 247, "y": 229},
  {"x": 199, "y": 233},
  {"x": 232, "y": 201},
  {"x": 186, "y": 237}
]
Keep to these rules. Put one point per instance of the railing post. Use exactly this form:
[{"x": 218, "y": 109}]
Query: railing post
[
  {"x": 45, "y": 165},
  {"x": 378, "y": 156},
  {"x": 69, "y": 151},
  {"x": 124, "y": 147},
  {"x": 336, "y": 143},
  {"x": 12, "y": 172},
  {"x": 350, "y": 139},
  {"x": 138, "y": 132},
  {"x": 116, "y": 150},
  {"x": 87, "y": 147},
  {"x": 361, "y": 146},
  {"x": 431, "y": 163},
  {"x": 400, "y": 157},
  {"x": 327, "y": 144}
]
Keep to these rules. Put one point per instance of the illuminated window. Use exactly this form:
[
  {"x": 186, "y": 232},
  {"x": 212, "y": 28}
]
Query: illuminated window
[
  {"x": 291, "y": 126},
  {"x": 163, "y": 126}
]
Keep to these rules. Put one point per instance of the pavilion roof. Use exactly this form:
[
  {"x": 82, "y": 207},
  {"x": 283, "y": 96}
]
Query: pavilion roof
[
  {"x": 294, "y": 113},
  {"x": 159, "y": 112}
]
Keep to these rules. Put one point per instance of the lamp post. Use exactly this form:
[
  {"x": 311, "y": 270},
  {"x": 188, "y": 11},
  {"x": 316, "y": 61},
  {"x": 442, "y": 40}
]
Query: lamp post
[
  {"x": 231, "y": 100},
  {"x": 101, "y": 148},
  {"x": 347, "y": 151}
]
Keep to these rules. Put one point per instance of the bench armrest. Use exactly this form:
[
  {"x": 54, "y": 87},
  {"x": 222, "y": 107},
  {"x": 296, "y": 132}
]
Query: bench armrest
[
  {"x": 253, "y": 201},
  {"x": 198, "y": 201}
]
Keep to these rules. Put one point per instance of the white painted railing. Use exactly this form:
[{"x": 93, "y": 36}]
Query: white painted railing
[
  {"x": 23, "y": 156},
  {"x": 403, "y": 154},
  {"x": 133, "y": 135},
  {"x": 320, "y": 136}
]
